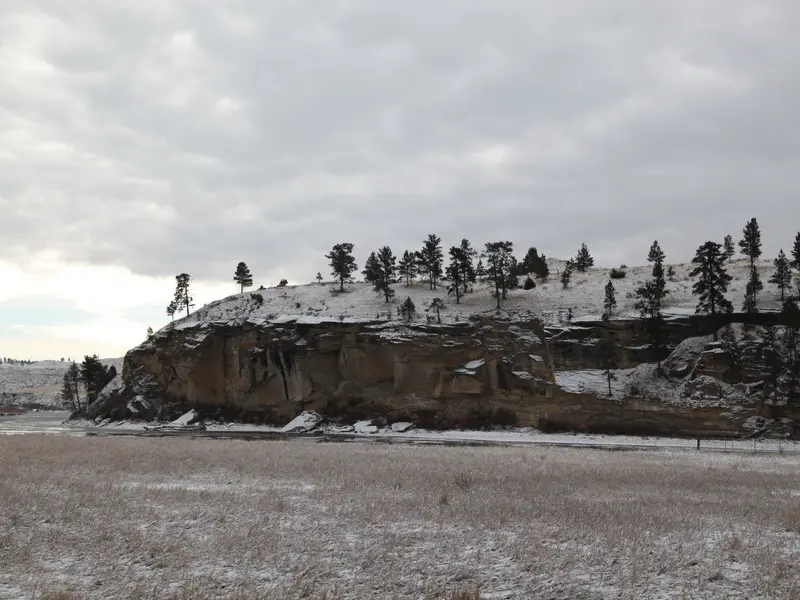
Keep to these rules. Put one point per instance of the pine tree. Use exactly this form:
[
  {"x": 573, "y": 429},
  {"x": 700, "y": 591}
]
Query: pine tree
[
  {"x": 343, "y": 265},
  {"x": 529, "y": 284},
  {"x": 791, "y": 350},
  {"x": 385, "y": 273},
  {"x": 796, "y": 252},
  {"x": 172, "y": 308},
  {"x": 773, "y": 361},
  {"x": 183, "y": 301},
  {"x": 752, "y": 288},
  {"x": 541, "y": 269},
  {"x": 243, "y": 277},
  {"x": 371, "y": 268},
  {"x": 655, "y": 327},
  {"x": 566, "y": 274},
  {"x": 530, "y": 262},
  {"x": 782, "y": 277},
  {"x": 750, "y": 244},
  {"x": 728, "y": 338},
  {"x": 713, "y": 279},
  {"x": 657, "y": 256},
  {"x": 467, "y": 267},
  {"x": 500, "y": 263},
  {"x": 437, "y": 306},
  {"x": 150, "y": 334},
  {"x": 649, "y": 299},
  {"x": 430, "y": 259},
  {"x": 610, "y": 301},
  {"x": 512, "y": 279},
  {"x": 319, "y": 278},
  {"x": 95, "y": 376},
  {"x": 455, "y": 272},
  {"x": 407, "y": 267},
  {"x": 70, "y": 389},
  {"x": 730, "y": 249},
  {"x": 407, "y": 309},
  {"x": 608, "y": 360},
  {"x": 583, "y": 260},
  {"x": 480, "y": 270}
]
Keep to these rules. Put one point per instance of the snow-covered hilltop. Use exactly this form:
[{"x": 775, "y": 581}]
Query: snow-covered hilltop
[
  {"x": 38, "y": 383},
  {"x": 549, "y": 301}
]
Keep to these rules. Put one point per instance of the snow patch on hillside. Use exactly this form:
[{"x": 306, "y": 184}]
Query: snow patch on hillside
[
  {"x": 594, "y": 382},
  {"x": 315, "y": 304}
]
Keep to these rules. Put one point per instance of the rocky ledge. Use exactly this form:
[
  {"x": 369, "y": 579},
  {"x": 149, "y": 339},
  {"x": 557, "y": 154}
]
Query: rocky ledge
[{"x": 491, "y": 370}]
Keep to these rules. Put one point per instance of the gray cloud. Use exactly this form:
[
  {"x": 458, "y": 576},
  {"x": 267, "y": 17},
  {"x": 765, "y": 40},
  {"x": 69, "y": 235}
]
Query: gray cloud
[{"x": 188, "y": 136}]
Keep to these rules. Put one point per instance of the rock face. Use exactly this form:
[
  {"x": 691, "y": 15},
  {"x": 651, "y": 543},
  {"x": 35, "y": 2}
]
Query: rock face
[
  {"x": 271, "y": 372},
  {"x": 486, "y": 371}
]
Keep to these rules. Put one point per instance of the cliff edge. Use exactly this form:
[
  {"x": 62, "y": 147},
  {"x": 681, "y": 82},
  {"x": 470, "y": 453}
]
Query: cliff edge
[{"x": 492, "y": 369}]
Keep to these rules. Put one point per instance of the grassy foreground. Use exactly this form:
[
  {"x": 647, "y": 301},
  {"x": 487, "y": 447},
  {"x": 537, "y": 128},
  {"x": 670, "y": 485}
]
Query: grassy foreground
[{"x": 195, "y": 519}]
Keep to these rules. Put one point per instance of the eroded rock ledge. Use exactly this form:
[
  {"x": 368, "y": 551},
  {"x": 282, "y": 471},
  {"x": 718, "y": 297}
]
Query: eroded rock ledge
[{"x": 486, "y": 371}]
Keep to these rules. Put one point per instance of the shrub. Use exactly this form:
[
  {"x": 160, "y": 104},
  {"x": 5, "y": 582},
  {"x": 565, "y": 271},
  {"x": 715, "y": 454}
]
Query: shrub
[
  {"x": 463, "y": 480},
  {"x": 283, "y": 283},
  {"x": 529, "y": 284},
  {"x": 481, "y": 418},
  {"x": 504, "y": 417},
  {"x": 792, "y": 518},
  {"x": 465, "y": 594},
  {"x": 258, "y": 298},
  {"x": 618, "y": 273}
]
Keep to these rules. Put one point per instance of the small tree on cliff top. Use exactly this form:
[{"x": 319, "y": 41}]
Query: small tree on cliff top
[
  {"x": 609, "y": 301},
  {"x": 243, "y": 276},
  {"x": 343, "y": 265},
  {"x": 712, "y": 281},
  {"x": 583, "y": 260},
  {"x": 782, "y": 277}
]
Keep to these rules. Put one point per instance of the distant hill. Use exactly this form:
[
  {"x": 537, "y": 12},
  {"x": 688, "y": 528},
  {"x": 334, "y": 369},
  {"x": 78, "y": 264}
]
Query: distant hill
[{"x": 38, "y": 383}]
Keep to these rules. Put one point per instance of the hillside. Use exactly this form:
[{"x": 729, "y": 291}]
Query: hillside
[
  {"x": 548, "y": 301},
  {"x": 36, "y": 383}
]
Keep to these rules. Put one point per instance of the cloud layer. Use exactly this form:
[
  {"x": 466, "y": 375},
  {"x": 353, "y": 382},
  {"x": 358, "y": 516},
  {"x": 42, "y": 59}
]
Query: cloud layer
[{"x": 171, "y": 136}]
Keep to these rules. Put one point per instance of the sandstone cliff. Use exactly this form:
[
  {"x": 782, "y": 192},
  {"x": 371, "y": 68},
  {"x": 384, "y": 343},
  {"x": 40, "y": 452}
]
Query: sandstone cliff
[{"x": 489, "y": 370}]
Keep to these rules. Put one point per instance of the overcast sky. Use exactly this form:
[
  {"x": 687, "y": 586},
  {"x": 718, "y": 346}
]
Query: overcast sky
[{"x": 142, "y": 138}]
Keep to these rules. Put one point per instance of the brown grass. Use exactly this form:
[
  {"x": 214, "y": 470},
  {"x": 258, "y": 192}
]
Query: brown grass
[
  {"x": 461, "y": 594},
  {"x": 183, "y": 519},
  {"x": 792, "y": 519}
]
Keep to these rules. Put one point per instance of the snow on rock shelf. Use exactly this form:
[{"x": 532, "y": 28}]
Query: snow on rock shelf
[
  {"x": 186, "y": 419},
  {"x": 593, "y": 382},
  {"x": 315, "y": 304},
  {"x": 365, "y": 427},
  {"x": 305, "y": 421}
]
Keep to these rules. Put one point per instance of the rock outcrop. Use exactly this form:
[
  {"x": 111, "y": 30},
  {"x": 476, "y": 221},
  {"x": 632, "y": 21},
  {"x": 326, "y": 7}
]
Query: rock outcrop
[{"x": 489, "y": 370}]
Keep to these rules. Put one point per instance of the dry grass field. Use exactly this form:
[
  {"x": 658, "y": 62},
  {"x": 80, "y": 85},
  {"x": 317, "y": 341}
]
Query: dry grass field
[{"x": 195, "y": 519}]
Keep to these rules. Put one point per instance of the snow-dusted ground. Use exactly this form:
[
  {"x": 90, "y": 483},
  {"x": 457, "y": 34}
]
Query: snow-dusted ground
[
  {"x": 306, "y": 423},
  {"x": 39, "y": 382},
  {"x": 177, "y": 518},
  {"x": 313, "y": 303}
]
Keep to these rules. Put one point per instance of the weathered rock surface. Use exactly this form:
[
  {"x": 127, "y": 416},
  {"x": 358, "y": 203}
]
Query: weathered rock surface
[{"x": 486, "y": 371}]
